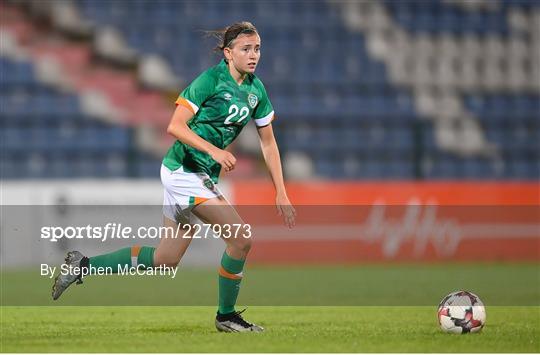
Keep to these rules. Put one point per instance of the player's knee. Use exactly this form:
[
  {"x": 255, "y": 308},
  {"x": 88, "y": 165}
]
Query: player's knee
[{"x": 243, "y": 245}]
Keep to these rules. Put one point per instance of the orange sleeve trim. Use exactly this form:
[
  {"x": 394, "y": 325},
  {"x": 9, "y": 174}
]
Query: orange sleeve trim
[
  {"x": 228, "y": 275},
  {"x": 185, "y": 103}
]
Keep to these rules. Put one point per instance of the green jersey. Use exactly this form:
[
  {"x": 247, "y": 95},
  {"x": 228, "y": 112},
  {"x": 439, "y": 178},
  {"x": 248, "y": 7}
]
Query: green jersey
[{"x": 221, "y": 109}]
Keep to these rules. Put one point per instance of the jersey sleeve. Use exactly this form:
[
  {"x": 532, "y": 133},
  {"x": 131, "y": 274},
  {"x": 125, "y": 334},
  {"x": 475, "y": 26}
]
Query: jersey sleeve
[
  {"x": 264, "y": 112},
  {"x": 197, "y": 92}
]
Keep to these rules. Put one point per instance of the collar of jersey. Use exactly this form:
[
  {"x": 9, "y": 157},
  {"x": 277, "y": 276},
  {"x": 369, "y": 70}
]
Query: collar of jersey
[{"x": 225, "y": 69}]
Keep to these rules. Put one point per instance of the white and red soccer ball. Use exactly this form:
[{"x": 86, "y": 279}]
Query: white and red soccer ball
[{"x": 461, "y": 312}]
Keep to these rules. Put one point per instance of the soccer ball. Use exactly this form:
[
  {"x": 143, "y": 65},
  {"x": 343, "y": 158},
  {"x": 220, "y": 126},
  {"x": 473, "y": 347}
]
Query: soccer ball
[{"x": 461, "y": 312}]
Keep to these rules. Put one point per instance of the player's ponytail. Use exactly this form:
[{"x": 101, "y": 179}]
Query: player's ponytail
[{"x": 227, "y": 35}]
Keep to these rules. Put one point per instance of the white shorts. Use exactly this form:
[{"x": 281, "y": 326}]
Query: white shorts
[{"x": 183, "y": 190}]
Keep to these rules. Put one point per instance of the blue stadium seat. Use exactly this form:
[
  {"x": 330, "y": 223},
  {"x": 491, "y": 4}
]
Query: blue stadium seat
[{"x": 44, "y": 133}]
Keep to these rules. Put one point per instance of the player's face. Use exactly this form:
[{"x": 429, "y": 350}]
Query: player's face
[{"x": 245, "y": 52}]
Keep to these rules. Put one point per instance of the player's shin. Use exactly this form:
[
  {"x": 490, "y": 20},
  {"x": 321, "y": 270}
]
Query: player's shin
[
  {"x": 134, "y": 256},
  {"x": 230, "y": 276}
]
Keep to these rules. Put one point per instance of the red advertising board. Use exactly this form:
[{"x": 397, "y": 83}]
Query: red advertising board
[{"x": 404, "y": 222}]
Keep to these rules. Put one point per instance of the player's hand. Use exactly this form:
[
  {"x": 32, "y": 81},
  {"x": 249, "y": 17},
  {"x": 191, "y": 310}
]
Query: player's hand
[
  {"x": 224, "y": 158},
  {"x": 286, "y": 210}
]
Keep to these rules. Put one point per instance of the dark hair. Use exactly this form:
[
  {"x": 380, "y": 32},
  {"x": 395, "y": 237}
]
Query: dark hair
[{"x": 227, "y": 35}]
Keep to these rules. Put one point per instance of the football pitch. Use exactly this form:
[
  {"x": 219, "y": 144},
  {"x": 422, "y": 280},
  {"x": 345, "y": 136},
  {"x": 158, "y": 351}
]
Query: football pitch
[
  {"x": 373, "y": 308},
  {"x": 288, "y": 329}
]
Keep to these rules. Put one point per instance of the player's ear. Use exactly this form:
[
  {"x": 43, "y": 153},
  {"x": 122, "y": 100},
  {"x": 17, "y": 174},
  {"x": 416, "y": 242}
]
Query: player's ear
[{"x": 227, "y": 53}]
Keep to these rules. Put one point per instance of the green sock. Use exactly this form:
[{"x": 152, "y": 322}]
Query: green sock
[
  {"x": 132, "y": 256},
  {"x": 230, "y": 276}
]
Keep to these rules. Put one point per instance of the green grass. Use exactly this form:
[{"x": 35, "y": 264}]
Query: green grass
[
  {"x": 366, "y": 285},
  {"x": 288, "y": 329},
  {"x": 368, "y": 308}
]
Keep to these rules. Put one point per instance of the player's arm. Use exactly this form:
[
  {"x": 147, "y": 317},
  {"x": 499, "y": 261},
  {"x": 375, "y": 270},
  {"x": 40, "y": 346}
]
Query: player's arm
[
  {"x": 273, "y": 162},
  {"x": 179, "y": 129}
]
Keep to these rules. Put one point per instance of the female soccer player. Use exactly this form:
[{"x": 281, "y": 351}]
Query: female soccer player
[{"x": 210, "y": 114}]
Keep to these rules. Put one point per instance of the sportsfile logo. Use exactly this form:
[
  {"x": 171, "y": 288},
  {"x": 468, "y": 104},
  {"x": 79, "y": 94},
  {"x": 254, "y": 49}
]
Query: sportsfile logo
[
  {"x": 109, "y": 231},
  {"x": 113, "y": 230}
]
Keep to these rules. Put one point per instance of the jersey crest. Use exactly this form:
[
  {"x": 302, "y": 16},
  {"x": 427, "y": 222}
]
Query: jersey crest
[{"x": 252, "y": 100}]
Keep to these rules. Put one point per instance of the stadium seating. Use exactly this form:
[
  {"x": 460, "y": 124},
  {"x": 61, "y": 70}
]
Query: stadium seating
[
  {"x": 334, "y": 100},
  {"x": 350, "y": 105},
  {"x": 45, "y": 134}
]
